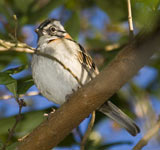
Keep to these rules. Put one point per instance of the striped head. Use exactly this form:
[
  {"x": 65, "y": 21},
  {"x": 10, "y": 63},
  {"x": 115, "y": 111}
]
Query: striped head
[{"x": 51, "y": 27}]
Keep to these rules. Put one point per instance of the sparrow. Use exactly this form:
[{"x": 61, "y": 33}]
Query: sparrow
[{"x": 71, "y": 68}]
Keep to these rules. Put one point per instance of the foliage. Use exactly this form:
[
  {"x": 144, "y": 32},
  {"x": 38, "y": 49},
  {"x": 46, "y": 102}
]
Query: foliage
[{"x": 99, "y": 23}]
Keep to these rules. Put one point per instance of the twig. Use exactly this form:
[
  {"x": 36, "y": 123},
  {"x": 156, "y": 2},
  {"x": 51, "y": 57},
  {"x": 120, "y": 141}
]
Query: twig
[
  {"x": 19, "y": 47},
  {"x": 88, "y": 131},
  {"x": 111, "y": 47},
  {"x": 16, "y": 25},
  {"x": 130, "y": 22},
  {"x": 32, "y": 93},
  {"x": 11, "y": 131},
  {"x": 144, "y": 141}
]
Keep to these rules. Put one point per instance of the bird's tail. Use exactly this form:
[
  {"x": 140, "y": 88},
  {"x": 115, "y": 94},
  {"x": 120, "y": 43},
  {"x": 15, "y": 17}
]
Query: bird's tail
[{"x": 120, "y": 117}]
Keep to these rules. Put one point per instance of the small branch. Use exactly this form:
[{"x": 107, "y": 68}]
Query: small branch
[
  {"x": 130, "y": 22},
  {"x": 32, "y": 93},
  {"x": 111, "y": 47},
  {"x": 16, "y": 25},
  {"x": 19, "y": 47},
  {"x": 88, "y": 131},
  {"x": 11, "y": 131},
  {"x": 144, "y": 141}
]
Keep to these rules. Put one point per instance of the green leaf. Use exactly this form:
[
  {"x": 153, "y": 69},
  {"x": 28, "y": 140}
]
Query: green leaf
[
  {"x": 24, "y": 84},
  {"x": 99, "y": 146},
  {"x": 28, "y": 123},
  {"x": 22, "y": 5},
  {"x": 17, "y": 69},
  {"x": 1, "y": 144},
  {"x": 10, "y": 82},
  {"x": 73, "y": 25},
  {"x": 74, "y": 5},
  {"x": 13, "y": 146},
  {"x": 96, "y": 43},
  {"x": 12, "y": 87},
  {"x": 68, "y": 141},
  {"x": 143, "y": 13},
  {"x": 44, "y": 11},
  {"x": 116, "y": 10},
  {"x": 5, "y": 78},
  {"x": 3, "y": 9},
  {"x": 153, "y": 4},
  {"x": 8, "y": 57},
  {"x": 102, "y": 147}
]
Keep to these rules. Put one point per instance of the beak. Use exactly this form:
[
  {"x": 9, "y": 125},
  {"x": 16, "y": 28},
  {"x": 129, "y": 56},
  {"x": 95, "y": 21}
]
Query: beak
[{"x": 36, "y": 30}]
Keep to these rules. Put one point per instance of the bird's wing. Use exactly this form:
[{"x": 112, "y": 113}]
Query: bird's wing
[{"x": 87, "y": 62}]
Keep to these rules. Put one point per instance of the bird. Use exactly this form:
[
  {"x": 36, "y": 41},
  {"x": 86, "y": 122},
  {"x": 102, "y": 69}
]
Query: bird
[{"x": 64, "y": 66}]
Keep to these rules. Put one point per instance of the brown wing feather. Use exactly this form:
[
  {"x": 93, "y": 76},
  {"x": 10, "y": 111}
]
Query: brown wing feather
[{"x": 86, "y": 60}]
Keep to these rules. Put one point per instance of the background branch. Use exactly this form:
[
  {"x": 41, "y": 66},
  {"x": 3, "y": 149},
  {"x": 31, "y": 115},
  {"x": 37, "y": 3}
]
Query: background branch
[
  {"x": 94, "y": 94},
  {"x": 19, "y": 47},
  {"x": 32, "y": 93},
  {"x": 11, "y": 131},
  {"x": 130, "y": 22},
  {"x": 152, "y": 132},
  {"x": 88, "y": 131}
]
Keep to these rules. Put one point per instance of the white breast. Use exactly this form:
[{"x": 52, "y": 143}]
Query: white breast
[{"x": 51, "y": 78}]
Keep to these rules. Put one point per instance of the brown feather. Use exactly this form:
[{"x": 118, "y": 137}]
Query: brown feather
[{"x": 85, "y": 59}]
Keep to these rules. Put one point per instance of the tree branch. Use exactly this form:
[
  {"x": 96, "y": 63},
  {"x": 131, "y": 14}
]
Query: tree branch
[
  {"x": 88, "y": 131},
  {"x": 18, "y": 47},
  {"x": 144, "y": 141},
  {"x": 130, "y": 22},
  {"x": 7, "y": 96},
  {"x": 94, "y": 94},
  {"x": 11, "y": 131}
]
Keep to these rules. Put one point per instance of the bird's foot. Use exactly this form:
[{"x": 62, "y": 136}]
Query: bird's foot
[{"x": 48, "y": 115}]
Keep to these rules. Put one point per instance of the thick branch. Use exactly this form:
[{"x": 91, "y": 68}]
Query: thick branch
[{"x": 94, "y": 94}]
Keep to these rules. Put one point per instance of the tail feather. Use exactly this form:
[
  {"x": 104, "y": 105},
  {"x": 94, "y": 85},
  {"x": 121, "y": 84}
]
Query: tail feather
[{"x": 120, "y": 117}]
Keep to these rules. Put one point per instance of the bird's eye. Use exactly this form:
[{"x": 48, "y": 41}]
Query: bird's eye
[{"x": 52, "y": 29}]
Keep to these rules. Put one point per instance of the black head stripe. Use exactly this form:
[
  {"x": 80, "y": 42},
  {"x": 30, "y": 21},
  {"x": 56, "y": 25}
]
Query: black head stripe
[{"x": 45, "y": 23}]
